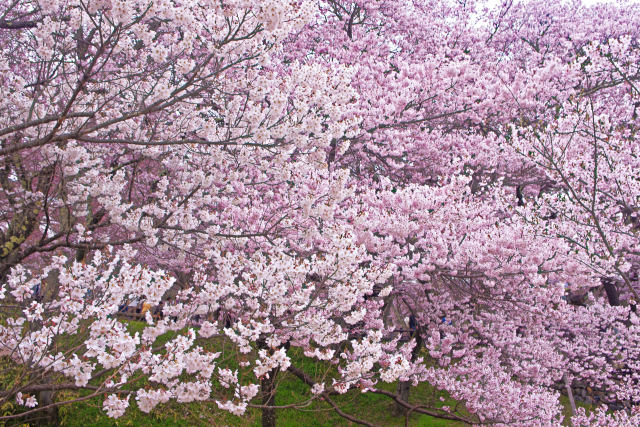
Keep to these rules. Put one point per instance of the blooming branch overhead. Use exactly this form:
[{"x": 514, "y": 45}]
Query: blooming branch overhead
[{"x": 404, "y": 191}]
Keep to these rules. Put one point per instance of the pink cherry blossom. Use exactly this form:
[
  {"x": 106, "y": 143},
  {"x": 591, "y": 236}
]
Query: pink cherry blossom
[{"x": 403, "y": 190}]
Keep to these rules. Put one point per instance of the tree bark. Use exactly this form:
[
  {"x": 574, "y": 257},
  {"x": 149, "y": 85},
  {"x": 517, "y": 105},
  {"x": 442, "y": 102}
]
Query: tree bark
[
  {"x": 267, "y": 386},
  {"x": 612, "y": 291},
  {"x": 404, "y": 387}
]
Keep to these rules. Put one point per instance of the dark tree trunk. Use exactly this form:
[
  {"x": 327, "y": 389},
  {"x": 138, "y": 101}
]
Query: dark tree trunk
[
  {"x": 404, "y": 387},
  {"x": 612, "y": 291},
  {"x": 48, "y": 417},
  {"x": 267, "y": 387}
]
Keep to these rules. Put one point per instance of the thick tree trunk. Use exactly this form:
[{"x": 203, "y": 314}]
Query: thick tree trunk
[
  {"x": 267, "y": 387},
  {"x": 612, "y": 291},
  {"x": 403, "y": 389}
]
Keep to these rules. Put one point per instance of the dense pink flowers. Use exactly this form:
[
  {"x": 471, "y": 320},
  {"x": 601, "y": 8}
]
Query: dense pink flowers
[{"x": 407, "y": 190}]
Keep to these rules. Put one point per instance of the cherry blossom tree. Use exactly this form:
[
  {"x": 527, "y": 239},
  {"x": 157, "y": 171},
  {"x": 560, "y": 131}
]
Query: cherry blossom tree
[
  {"x": 455, "y": 100},
  {"x": 145, "y": 142},
  {"x": 410, "y": 190}
]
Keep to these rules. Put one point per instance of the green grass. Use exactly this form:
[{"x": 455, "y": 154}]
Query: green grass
[
  {"x": 371, "y": 407},
  {"x": 374, "y": 408}
]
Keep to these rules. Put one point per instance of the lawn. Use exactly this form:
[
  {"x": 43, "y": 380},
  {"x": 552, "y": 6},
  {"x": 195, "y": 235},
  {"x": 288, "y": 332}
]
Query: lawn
[{"x": 374, "y": 408}]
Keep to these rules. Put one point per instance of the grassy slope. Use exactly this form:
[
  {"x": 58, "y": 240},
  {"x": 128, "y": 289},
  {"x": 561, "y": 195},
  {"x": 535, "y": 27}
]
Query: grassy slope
[{"x": 375, "y": 408}]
